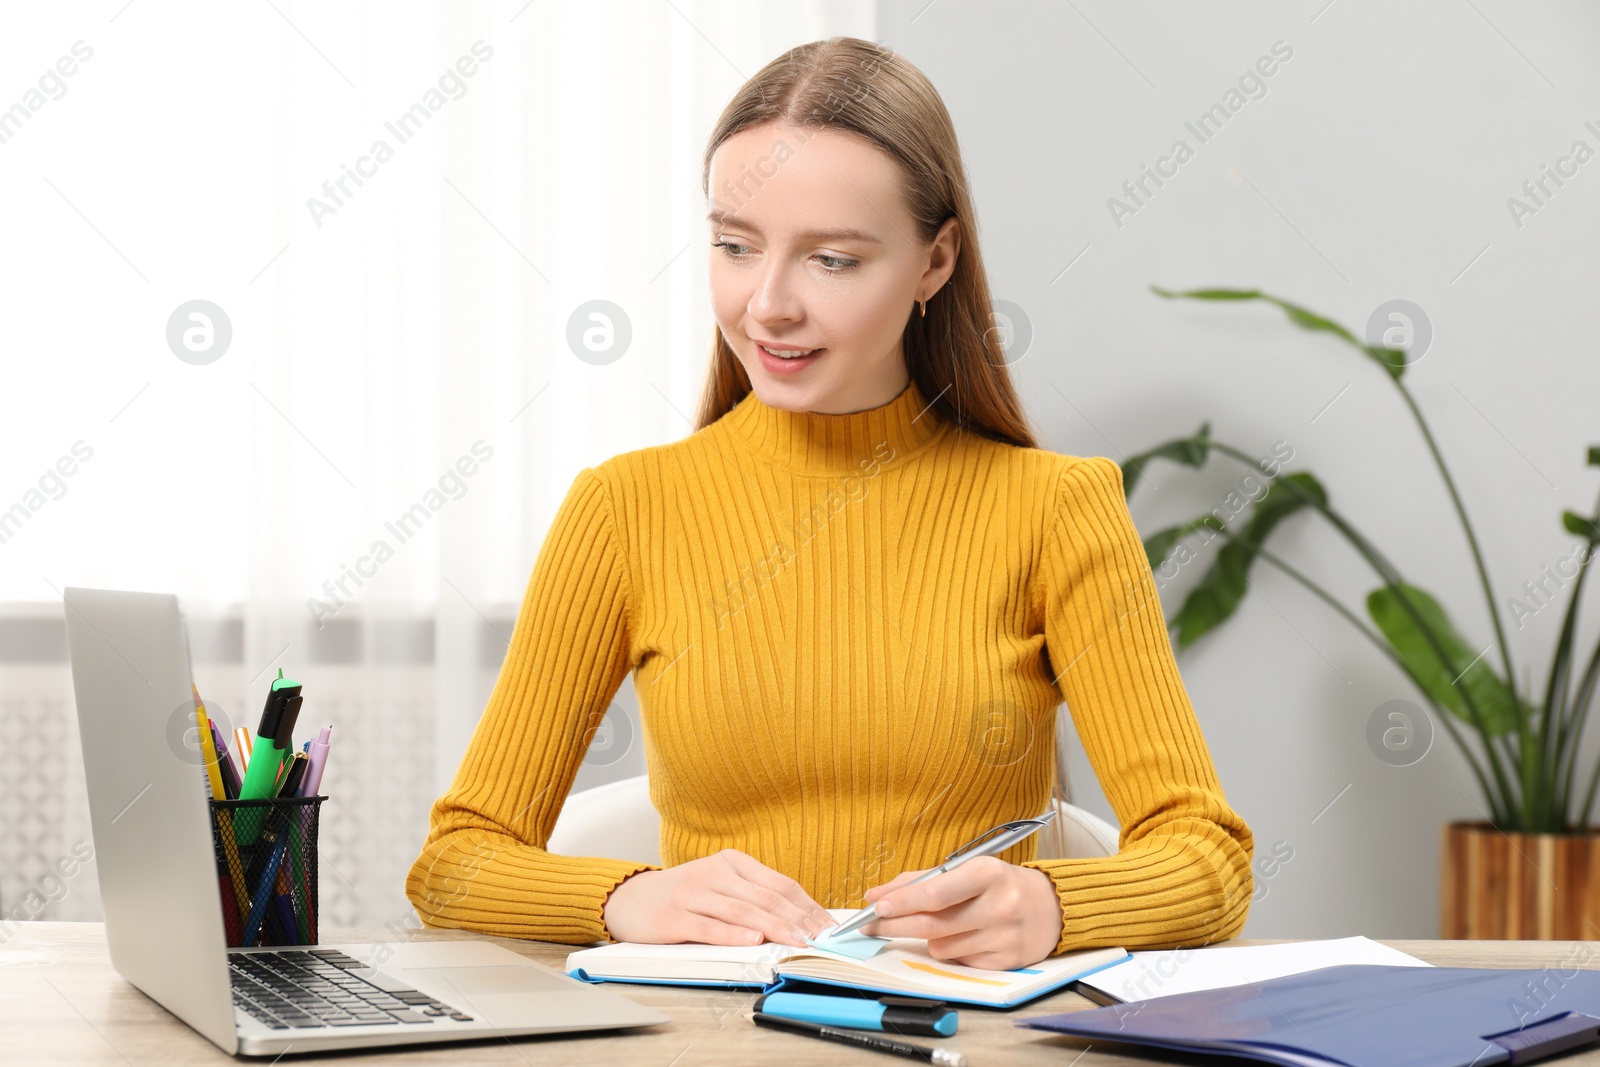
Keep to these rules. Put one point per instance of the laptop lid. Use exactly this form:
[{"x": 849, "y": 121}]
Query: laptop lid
[{"x": 147, "y": 804}]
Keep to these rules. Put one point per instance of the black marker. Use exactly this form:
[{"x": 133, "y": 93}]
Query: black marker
[{"x": 942, "y": 1056}]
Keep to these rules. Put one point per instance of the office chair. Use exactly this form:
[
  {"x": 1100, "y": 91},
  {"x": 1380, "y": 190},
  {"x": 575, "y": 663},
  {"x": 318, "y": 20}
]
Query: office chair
[{"x": 618, "y": 821}]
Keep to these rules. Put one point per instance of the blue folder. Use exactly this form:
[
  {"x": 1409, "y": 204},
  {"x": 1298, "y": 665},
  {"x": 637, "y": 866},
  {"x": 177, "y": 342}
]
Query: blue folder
[{"x": 1362, "y": 1016}]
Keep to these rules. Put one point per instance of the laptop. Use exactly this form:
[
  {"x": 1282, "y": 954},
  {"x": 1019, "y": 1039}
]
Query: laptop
[{"x": 162, "y": 904}]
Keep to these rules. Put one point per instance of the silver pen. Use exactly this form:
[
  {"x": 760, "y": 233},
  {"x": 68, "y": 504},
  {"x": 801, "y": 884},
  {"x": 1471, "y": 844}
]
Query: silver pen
[{"x": 987, "y": 844}]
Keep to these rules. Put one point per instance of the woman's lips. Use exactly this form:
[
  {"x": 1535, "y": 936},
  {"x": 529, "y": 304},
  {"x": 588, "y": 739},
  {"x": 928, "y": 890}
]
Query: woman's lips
[{"x": 778, "y": 365}]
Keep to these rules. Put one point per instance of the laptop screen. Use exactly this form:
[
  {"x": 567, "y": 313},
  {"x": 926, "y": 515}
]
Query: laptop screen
[{"x": 147, "y": 804}]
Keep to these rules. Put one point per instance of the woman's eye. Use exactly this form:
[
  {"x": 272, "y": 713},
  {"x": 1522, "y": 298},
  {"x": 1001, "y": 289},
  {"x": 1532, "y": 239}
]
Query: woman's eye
[{"x": 831, "y": 264}]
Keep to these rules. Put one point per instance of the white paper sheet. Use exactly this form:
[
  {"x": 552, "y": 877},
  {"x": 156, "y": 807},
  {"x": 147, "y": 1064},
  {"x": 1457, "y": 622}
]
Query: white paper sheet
[{"x": 1161, "y": 973}]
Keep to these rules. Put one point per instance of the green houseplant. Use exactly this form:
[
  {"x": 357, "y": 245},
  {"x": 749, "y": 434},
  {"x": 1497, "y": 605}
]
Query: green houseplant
[{"x": 1522, "y": 748}]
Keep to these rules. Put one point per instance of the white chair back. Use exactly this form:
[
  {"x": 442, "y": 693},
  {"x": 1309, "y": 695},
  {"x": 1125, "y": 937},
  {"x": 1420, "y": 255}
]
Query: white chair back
[{"x": 618, "y": 821}]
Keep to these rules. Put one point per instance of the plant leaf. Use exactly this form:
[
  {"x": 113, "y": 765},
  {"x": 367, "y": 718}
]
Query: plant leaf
[
  {"x": 1594, "y": 455},
  {"x": 1191, "y": 451},
  {"x": 1159, "y": 545},
  {"x": 1488, "y": 691},
  {"x": 1211, "y": 294},
  {"x": 1392, "y": 360},
  {"x": 1217, "y": 596},
  {"x": 1279, "y": 503},
  {"x": 1310, "y": 320},
  {"x": 1581, "y": 526}
]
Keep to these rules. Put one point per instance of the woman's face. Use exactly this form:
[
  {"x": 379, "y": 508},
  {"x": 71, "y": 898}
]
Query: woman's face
[{"x": 819, "y": 252}]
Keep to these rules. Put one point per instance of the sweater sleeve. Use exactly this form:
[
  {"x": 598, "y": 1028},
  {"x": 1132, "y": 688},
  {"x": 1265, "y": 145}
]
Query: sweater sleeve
[
  {"x": 484, "y": 865},
  {"x": 1182, "y": 873}
]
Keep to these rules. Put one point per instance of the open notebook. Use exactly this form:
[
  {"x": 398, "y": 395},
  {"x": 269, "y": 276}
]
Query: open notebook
[{"x": 881, "y": 965}]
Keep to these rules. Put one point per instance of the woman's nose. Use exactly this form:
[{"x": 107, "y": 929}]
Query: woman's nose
[{"x": 774, "y": 298}]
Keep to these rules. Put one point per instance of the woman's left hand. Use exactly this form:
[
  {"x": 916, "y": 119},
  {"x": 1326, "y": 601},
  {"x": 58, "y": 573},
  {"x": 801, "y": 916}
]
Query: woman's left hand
[{"x": 986, "y": 913}]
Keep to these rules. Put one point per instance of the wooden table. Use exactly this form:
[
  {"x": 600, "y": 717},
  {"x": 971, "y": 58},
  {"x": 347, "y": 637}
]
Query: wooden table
[{"x": 61, "y": 1004}]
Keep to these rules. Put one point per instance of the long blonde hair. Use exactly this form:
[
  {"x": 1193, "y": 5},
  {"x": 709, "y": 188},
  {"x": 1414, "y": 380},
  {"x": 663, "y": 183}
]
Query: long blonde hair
[{"x": 954, "y": 352}]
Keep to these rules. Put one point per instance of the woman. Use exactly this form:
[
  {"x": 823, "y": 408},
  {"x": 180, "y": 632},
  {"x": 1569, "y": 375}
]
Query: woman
[{"x": 851, "y": 600}]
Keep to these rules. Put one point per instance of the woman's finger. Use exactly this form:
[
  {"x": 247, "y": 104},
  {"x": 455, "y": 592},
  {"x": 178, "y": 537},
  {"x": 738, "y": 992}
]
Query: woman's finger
[
  {"x": 712, "y": 931},
  {"x": 754, "y": 870},
  {"x": 896, "y": 882},
  {"x": 795, "y": 923},
  {"x": 943, "y": 890},
  {"x": 736, "y": 911},
  {"x": 938, "y": 893},
  {"x": 970, "y": 914},
  {"x": 970, "y": 948}
]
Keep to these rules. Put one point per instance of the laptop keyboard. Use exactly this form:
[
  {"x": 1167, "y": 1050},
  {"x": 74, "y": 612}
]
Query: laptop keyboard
[{"x": 310, "y": 988}]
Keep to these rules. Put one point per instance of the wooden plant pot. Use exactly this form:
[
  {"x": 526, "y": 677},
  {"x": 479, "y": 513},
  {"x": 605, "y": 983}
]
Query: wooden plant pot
[{"x": 1517, "y": 886}]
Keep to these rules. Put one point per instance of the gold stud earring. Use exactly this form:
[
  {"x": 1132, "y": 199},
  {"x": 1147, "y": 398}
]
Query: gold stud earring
[{"x": 924, "y": 304}]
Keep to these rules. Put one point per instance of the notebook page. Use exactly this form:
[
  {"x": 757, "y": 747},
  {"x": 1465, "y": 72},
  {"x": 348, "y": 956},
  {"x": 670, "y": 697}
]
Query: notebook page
[
  {"x": 743, "y": 963},
  {"x": 905, "y": 964},
  {"x": 692, "y": 962},
  {"x": 765, "y": 953}
]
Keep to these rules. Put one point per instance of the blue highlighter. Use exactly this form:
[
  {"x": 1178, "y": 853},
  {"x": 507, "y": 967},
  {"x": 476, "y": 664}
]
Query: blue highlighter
[{"x": 895, "y": 1015}]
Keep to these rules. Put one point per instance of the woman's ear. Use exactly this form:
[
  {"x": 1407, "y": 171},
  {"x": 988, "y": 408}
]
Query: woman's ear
[{"x": 942, "y": 254}]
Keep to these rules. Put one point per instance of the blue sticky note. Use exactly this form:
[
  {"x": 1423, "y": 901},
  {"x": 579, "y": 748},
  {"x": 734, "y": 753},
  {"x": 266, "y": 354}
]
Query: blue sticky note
[{"x": 856, "y": 945}]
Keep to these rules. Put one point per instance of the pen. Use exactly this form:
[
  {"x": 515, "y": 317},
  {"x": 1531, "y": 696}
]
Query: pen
[
  {"x": 317, "y": 757},
  {"x": 242, "y": 736},
  {"x": 230, "y": 909},
  {"x": 208, "y": 747},
  {"x": 258, "y": 905},
  {"x": 294, "y": 922},
  {"x": 233, "y": 866},
  {"x": 225, "y": 764},
  {"x": 289, "y": 783},
  {"x": 273, "y": 836},
  {"x": 219, "y": 791},
  {"x": 231, "y": 918},
  {"x": 318, "y": 751},
  {"x": 236, "y": 901},
  {"x": 991, "y": 843},
  {"x": 290, "y": 923},
  {"x": 942, "y": 1056}
]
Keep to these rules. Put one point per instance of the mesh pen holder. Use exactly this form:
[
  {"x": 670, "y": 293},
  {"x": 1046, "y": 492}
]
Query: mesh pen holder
[{"x": 267, "y": 869}]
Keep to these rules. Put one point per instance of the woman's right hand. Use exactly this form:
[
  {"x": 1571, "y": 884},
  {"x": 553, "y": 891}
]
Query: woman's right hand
[{"x": 729, "y": 898}]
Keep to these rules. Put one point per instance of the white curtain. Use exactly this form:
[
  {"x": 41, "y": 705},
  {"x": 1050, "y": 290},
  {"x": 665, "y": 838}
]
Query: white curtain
[{"x": 404, "y": 214}]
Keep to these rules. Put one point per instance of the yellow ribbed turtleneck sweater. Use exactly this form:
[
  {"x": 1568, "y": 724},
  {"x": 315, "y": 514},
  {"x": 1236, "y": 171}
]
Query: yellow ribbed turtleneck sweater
[{"x": 849, "y": 635}]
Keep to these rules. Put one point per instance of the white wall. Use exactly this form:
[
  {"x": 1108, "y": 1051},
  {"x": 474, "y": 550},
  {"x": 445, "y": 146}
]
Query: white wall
[{"x": 1376, "y": 166}]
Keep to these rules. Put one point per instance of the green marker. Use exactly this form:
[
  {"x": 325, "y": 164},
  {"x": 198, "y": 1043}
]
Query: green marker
[{"x": 272, "y": 746}]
